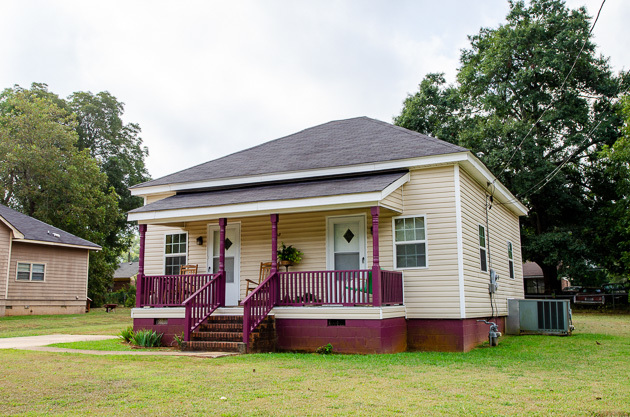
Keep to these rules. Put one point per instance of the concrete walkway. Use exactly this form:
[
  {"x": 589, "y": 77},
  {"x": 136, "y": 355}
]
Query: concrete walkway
[{"x": 40, "y": 343}]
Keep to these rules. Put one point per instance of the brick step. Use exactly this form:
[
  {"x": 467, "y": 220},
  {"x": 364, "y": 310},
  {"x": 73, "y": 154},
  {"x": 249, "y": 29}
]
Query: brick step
[
  {"x": 221, "y": 327},
  {"x": 214, "y": 346},
  {"x": 218, "y": 336}
]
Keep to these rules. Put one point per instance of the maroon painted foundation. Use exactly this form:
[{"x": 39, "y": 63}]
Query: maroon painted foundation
[
  {"x": 346, "y": 336},
  {"x": 448, "y": 335},
  {"x": 168, "y": 327}
]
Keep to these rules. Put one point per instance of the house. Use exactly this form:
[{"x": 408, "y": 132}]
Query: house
[
  {"x": 534, "y": 281},
  {"x": 399, "y": 233},
  {"x": 43, "y": 270},
  {"x": 125, "y": 275}
]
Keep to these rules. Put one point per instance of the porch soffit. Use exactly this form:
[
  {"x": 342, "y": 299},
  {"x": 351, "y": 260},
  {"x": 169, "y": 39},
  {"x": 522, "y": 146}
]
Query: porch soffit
[{"x": 349, "y": 192}]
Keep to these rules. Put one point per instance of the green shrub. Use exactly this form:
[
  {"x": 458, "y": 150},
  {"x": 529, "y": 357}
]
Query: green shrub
[
  {"x": 325, "y": 350},
  {"x": 125, "y": 296},
  {"x": 126, "y": 334},
  {"x": 147, "y": 338},
  {"x": 179, "y": 340}
]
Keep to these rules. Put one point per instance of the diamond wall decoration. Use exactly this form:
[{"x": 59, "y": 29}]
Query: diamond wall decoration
[
  {"x": 228, "y": 243},
  {"x": 348, "y": 235}
]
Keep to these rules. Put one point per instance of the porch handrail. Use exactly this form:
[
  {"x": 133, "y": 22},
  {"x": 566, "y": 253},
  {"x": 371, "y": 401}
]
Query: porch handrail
[
  {"x": 199, "y": 306},
  {"x": 258, "y": 304},
  {"x": 169, "y": 290},
  {"x": 392, "y": 287},
  {"x": 340, "y": 287}
]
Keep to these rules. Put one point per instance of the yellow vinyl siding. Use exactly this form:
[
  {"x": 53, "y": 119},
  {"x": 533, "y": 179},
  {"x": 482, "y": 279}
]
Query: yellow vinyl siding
[
  {"x": 432, "y": 292},
  {"x": 154, "y": 248},
  {"x": 394, "y": 201},
  {"x": 503, "y": 227},
  {"x": 156, "y": 197},
  {"x": 65, "y": 273}
]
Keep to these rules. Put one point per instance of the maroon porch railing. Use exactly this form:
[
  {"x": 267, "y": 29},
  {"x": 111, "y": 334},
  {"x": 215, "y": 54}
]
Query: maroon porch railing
[
  {"x": 392, "y": 287},
  {"x": 200, "y": 305},
  {"x": 258, "y": 304},
  {"x": 348, "y": 288},
  {"x": 170, "y": 290}
]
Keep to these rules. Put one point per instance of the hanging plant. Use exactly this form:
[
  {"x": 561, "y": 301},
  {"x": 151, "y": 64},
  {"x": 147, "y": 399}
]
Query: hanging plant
[{"x": 289, "y": 255}]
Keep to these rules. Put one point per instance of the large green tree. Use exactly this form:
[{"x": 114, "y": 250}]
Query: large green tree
[
  {"x": 538, "y": 121},
  {"x": 44, "y": 175},
  {"x": 70, "y": 163}
]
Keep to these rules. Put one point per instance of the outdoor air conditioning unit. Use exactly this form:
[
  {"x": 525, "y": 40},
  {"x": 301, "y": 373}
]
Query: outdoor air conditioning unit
[{"x": 551, "y": 317}]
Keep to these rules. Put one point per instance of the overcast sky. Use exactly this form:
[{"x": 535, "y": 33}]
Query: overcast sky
[{"x": 208, "y": 78}]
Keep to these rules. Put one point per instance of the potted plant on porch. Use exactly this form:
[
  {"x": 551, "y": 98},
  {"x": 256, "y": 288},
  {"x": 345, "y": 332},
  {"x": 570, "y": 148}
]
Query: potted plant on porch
[{"x": 288, "y": 255}]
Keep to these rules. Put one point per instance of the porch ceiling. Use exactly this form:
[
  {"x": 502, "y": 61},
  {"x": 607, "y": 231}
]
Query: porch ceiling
[{"x": 313, "y": 195}]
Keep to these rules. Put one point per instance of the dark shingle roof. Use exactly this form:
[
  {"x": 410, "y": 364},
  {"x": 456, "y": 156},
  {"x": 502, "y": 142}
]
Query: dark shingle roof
[
  {"x": 339, "y": 143},
  {"x": 279, "y": 191},
  {"x": 33, "y": 229},
  {"x": 126, "y": 270}
]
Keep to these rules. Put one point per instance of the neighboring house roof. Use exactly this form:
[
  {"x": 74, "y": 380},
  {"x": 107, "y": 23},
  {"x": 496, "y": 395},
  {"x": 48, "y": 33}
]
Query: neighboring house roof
[
  {"x": 532, "y": 270},
  {"x": 282, "y": 191},
  {"x": 338, "y": 143},
  {"x": 126, "y": 270},
  {"x": 27, "y": 228}
]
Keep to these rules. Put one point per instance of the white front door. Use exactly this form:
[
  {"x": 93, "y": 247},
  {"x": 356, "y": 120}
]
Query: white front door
[
  {"x": 346, "y": 243},
  {"x": 232, "y": 259}
]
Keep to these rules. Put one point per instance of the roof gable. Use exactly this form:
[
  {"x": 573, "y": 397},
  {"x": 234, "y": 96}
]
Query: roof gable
[
  {"x": 36, "y": 230},
  {"x": 338, "y": 143}
]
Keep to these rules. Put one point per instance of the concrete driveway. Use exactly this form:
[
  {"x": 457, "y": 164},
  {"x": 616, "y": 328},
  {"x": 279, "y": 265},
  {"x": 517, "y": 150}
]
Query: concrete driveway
[
  {"x": 35, "y": 341},
  {"x": 40, "y": 343}
]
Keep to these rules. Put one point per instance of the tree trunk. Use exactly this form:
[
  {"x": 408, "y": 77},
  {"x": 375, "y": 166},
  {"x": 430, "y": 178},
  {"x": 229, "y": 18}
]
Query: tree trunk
[{"x": 552, "y": 283}]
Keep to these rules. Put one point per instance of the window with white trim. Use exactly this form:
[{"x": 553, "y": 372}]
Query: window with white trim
[
  {"x": 410, "y": 242},
  {"x": 483, "y": 252},
  {"x": 174, "y": 252},
  {"x": 510, "y": 259},
  {"x": 27, "y": 271}
]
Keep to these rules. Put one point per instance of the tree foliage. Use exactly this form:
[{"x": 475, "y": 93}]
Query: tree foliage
[
  {"x": 536, "y": 121},
  {"x": 48, "y": 173}
]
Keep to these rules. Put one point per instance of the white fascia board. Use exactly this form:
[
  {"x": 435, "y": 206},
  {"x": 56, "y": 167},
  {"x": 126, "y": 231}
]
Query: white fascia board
[
  {"x": 65, "y": 245},
  {"x": 16, "y": 233},
  {"x": 259, "y": 208},
  {"x": 294, "y": 175},
  {"x": 505, "y": 195},
  {"x": 395, "y": 185}
]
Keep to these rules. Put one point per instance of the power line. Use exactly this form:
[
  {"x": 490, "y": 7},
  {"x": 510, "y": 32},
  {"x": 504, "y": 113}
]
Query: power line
[{"x": 561, "y": 88}]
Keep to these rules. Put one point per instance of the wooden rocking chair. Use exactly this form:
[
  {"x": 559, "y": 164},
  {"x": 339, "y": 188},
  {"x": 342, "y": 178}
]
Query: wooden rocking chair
[
  {"x": 265, "y": 270},
  {"x": 186, "y": 289}
]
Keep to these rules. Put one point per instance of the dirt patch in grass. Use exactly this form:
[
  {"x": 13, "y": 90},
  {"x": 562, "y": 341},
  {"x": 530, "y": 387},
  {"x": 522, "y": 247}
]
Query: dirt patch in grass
[{"x": 525, "y": 375}]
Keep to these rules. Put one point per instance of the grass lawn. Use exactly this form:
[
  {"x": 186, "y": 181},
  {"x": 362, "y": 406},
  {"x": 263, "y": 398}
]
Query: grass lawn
[
  {"x": 585, "y": 374},
  {"x": 97, "y": 321}
]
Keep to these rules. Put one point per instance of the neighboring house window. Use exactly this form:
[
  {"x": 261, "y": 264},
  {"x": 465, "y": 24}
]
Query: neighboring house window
[
  {"x": 482, "y": 249},
  {"x": 510, "y": 260},
  {"x": 30, "y": 272},
  {"x": 410, "y": 242},
  {"x": 174, "y": 253}
]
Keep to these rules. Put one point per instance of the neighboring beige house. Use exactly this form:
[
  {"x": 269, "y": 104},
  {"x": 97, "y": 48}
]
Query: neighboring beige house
[
  {"x": 359, "y": 195},
  {"x": 43, "y": 270},
  {"x": 125, "y": 275}
]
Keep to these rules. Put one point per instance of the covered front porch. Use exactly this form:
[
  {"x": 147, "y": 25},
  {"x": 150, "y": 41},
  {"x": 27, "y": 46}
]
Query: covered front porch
[{"x": 332, "y": 296}]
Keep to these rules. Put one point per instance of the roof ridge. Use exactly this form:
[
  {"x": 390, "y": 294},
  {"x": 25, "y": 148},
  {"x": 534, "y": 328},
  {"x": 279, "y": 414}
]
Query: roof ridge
[{"x": 414, "y": 133}]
